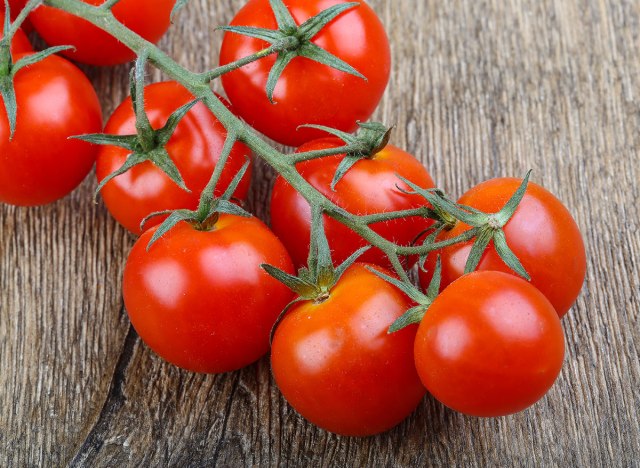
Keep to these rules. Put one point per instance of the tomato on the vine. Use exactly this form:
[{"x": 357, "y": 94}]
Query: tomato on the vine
[
  {"x": 41, "y": 164},
  {"x": 195, "y": 148},
  {"x": 20, "y": 43},
  {"x": 148, "y": 18},
  {"x": 336, "y": 364},
  {"x": 542, "y": 234},
  {"x": 308, "y": 92},
  {"x": 489, "y": 345},
  {"x": 199, "y": 298},
  {"x": 16, "y": 7},
  {"x": 370, "y": 186}
]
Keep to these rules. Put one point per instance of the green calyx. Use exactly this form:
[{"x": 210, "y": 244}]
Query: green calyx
[
  {"x": 147, "y": 144},
  {"x": 315, "y": 282},
  {"x": 8, "y": 69},
  {"x": 372, "y": 138},
  {"x": 291, "y": 40}
]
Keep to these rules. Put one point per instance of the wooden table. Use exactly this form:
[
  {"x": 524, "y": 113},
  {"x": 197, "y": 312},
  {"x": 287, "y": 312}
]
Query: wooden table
[{"x": 479, "y": 89}]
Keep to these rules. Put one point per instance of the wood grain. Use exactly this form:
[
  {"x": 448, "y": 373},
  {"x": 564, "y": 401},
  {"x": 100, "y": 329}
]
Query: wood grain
[{"x": 479, "y": 89}]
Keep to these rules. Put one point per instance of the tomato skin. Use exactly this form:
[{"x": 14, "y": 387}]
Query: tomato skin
[
  {"x": 195, "y": 148},
  {"x": 542, "y": 233},
  {"x": 308, "y": 92},
  {"x": 200, "y": 300},
  {"x": 370, "y": 186},
  {"x": 336, "y": 364},
  {"x": 20, "y": 43},
  {"x": 41, "y": 164},
  {"x": 148, "y": 18},
  {"x": 490, "y": 345}
]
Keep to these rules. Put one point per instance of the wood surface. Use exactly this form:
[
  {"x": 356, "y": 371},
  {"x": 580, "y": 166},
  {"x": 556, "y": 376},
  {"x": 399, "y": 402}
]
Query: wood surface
[{"x": 479, "y": 89}]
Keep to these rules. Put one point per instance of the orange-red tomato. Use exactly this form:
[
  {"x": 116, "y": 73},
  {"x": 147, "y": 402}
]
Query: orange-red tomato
[
  {"x": 200, "y": 300},
  {"x": 370, "y": 186},
  {"x": 542, "y": 234},
  {"x": 41, "y": 164},
  {"x": 20, "y": 43},
  {"x": 148, "y": 18},
  {"x": 308, "y": 92},
  {"x": 195, "y": 148},
  {"x": 336, "y": 364},
  {"x": 490, "y": 345}
]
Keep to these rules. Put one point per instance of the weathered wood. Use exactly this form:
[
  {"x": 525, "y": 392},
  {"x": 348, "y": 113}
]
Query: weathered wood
[{"x": 479, "y": 89}]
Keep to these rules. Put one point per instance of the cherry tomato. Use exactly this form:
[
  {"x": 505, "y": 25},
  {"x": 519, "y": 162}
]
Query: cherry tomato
[
  {"x": 16, "y": 7},
  {"x": 308, "y": 92},
  {"x": 149, "y": 18},
  {"x": 20, "y": 43},
  {"x": 199, "y": 298},
  {"x": 490, "y": 345},
  {"x": 195, "y": 148},
  {"x": 370, "y": 186},
  {"x": 336, "y": 364},
  {"x": 41, "y": 164},
  {"x": 542, "y": 234}
]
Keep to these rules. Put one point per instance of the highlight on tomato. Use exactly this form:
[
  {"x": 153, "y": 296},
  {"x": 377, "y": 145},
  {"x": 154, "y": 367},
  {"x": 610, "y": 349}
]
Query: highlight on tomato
[
  {"x": 40, "y": 164},
  {"x": 148, "y": 18},
  {"x": 194, "y": 148},
  {"x": 370, "y": 186},
  {"x": 542, "y": 234},
  {"x": 308, "y": 91},
  {"x": 490, "y": 344},
  {"x": 198, "y": 297}
]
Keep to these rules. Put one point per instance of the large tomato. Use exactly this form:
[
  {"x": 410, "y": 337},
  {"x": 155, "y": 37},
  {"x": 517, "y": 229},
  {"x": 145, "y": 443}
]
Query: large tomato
[
  {"x": 308, "y": 92},
  {"x": 20, "y": 42},
  {"x": 490, "y": 345},
  {"x": 370, "y": 186},
  {"x": 41, "y": 164},
  {"x": 542, "y": 234},
  {"x": 195, "y": 148},
  {"x": 148, "y": 18},
  {"x": 199, "y": 298},
  {"x": 336, "y": 364}
]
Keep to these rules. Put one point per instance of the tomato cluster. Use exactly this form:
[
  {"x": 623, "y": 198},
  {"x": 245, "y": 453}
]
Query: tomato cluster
[{"x": 210, "y": 288}]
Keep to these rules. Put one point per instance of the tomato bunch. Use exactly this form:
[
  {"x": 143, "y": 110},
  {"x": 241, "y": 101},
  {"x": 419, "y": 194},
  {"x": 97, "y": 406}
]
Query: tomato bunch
[{"x": 354, "y": 343}]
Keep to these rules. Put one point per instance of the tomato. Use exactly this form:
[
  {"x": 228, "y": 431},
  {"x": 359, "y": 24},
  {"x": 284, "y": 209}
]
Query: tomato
[
  {"x": 490, "y": 345},
  {"x": 199, "y": 298},
  {"x": 308, "y": 92},
  {"x": 20, "y": 43},
  {"x": 370, "y": 186},
  {"x": 195, "y": 149},
  {"x": 542, "y": 234},
  {"x": 336, "y": 364},
  {"x": 41, "y": 164},
  {"x": 148, "y": 18},
  {"x": 16, "y": 7}
]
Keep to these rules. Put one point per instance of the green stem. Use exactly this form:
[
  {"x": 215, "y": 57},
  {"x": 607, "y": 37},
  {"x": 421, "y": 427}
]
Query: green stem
[{"x": 219, "y": 71}]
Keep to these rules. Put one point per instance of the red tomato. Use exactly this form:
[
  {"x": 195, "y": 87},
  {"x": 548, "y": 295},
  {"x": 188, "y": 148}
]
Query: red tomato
[
  {"x": 41, "y": 164},
  {"x": 148, "y": 18},
  {"x": 200, "y": 299},
  {"x": 195, "y": 149},
  {"x": 308, "y": 92},
  {"x": 370, "y": 186},
  {"x": 20, "y": 43},
  {"x": 490, "y": 345},
  {"x": 541, "y": 233},
  {"x": 336, "y": 364},
  {"x": 16, "y": 7}
]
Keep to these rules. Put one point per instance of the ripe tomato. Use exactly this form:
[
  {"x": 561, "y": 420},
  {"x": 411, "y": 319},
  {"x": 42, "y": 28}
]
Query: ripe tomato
[
  {"x": 308, "y": 92},
  {"x": 20, "y": 43},
  {"x": 41, "y": 164},
  {"x": 200, "y": 299},
  {"x": 490, "y": 345},
  {"x": 148, "y": 18},
  {"x": 336, "y": 364},
  {"x": 195, "y": 149},
  {"x": 16, "y": 7},
  {"x": 541, "y": 233},
  {"x": 370, "y": 186}
]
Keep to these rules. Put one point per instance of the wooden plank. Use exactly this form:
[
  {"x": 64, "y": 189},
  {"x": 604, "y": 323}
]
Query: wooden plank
[{"x": 479, "y": 89}]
